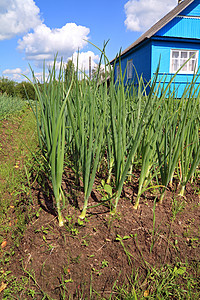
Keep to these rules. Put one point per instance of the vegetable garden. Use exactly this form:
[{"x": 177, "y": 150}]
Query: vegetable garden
[
  {"x": 120, "y": 161},
  {"x": 114, "y": 129}
]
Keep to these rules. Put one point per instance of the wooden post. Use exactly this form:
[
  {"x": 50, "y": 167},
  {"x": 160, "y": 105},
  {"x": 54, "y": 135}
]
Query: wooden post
[{"x": 90, "y": 69}]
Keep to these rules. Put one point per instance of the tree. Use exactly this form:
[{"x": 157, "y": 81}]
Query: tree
[
  {"x": 7, "y": 86},
  {"x": 69, "y": 70},
  {"x": 25, "y": 90}
]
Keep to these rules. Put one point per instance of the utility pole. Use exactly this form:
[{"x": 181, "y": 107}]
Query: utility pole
[{"x": 90, "y": 69}]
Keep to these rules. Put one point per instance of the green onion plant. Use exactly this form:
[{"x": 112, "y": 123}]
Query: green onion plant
[{"x": 50, "y": 113}]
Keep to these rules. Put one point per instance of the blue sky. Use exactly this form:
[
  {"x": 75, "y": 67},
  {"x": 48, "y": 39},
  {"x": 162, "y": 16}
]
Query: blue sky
[{"x": 31, "y": 31}]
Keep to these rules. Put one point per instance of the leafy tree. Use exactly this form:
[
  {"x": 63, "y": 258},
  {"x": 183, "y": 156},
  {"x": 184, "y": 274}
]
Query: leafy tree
[
  {"x": 12, "y": 88},
  {"x": 69, "y": 70},
  {"x": 7, "y": 86},
  {"x": 24, "y": 89}
]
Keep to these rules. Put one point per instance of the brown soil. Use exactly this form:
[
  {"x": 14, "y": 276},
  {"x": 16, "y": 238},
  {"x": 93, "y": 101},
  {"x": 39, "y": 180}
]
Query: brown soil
[
  {"x": 79, "y": 258},
  {"x": 88, "y": 256}
]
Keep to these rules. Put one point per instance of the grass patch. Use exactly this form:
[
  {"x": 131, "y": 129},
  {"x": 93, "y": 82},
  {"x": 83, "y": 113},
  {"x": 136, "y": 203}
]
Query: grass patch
[
  {"x": 167, "y": 282},
  {"x": 16, "y": 131},
  {"x": 10, "y": 105}
]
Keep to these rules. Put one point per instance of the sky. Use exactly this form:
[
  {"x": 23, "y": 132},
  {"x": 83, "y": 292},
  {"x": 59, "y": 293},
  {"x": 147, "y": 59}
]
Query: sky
[{"x": 34, "y": 31}]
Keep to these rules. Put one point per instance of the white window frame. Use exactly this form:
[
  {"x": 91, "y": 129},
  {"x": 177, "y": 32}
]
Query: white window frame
[
  {"x": 118, "y": 71},
  {"x": 179, "y": 56},
  {"x": 130, "y": 69}
]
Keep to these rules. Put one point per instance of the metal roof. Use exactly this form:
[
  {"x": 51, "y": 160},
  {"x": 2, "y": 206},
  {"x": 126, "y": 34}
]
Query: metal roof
[{"x": 160, "y": 24}]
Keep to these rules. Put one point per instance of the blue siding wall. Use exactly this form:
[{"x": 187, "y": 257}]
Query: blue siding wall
[
  {"x": 141, "y": 57},
  {"x": 161, "y": 49},
  {"x": 184, "y": 27},
  {"x": 192, "y": 10},
  {"x": 147, "y": 57},
  {"x": 180, "y": 27}
]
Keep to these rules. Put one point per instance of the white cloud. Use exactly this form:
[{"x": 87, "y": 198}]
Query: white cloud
[
  {"x": 142, "y": 14},
  {"x": 83, "y": 60},
  {"x": 17, "y": 77},
  {"x": 17, "y": 17},
  {"x": 16, "y": 74},
  {"x": 38, "y": 41},
  {"x": 12, "y": 71},
  {"x": 44, "y": 42},
  {"x": 15, "y": 71}
]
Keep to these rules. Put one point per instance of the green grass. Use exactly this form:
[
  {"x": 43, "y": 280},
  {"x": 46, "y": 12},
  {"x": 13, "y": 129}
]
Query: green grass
[
  {"x": 17, "y": 131},
  {"x": 10, "y": 105},
  {"x": 179, "y": 281}
]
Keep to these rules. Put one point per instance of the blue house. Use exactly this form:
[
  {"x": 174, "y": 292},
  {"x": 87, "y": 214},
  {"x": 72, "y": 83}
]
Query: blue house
[{"x": 172, "y": 41}]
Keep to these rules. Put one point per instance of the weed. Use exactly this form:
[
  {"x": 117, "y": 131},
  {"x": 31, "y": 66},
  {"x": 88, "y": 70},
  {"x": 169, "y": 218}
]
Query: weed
[
  {"x": 177, "y": 207},
  {"x": 121, "y": 240},
  {"x": 75, "y": 260},
  {"x": 84, "y": 241},
  {"x": 70, "y": 225},
  {"x": 104, "y": 264},
  {"x": 97, "y": 272},
  {"x": 31, "y": 276},
  {"x": 153, "y": 231},
  {"x": 160, "y": 283}
]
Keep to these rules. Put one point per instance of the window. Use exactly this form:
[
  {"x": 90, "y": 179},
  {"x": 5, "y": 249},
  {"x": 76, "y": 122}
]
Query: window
[
  {"x": 179, "y": 57},
  {"x": 118, "y": 72},
  {"x": 130, "y": 69}
]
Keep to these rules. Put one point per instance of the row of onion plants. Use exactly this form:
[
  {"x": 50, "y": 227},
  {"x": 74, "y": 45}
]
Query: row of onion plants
[{"x": 125, "y": 126}]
